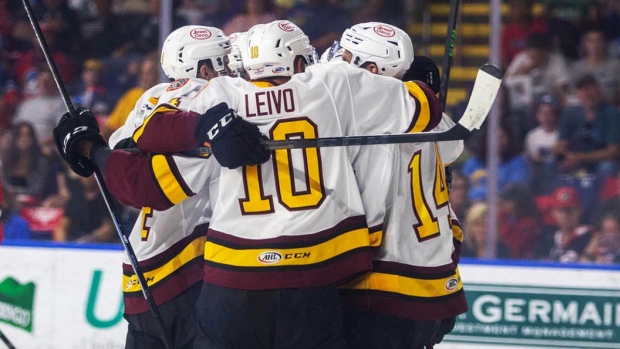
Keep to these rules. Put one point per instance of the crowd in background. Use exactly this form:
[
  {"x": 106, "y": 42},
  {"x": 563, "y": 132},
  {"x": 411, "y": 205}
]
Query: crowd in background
[{"x": 559, "y": 138}]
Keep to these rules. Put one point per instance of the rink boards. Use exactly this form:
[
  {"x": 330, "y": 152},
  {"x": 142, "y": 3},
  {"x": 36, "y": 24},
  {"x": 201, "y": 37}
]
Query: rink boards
[{"x": 68, "y": 296}]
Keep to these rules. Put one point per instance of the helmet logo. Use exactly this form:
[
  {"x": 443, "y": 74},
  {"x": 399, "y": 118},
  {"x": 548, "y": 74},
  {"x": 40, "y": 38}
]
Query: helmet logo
[
  {"x": 200, "y": 34},
  {"x": 384, "y": 30},
  {"x": 277, "y": 70},
  {"x": 286, "y": 26}
]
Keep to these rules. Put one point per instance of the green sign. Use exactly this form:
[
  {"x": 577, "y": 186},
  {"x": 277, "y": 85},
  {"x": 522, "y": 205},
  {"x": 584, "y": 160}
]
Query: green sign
[
  {"x": 16, "y": 303},
  {"x": 540, "y": 316}
]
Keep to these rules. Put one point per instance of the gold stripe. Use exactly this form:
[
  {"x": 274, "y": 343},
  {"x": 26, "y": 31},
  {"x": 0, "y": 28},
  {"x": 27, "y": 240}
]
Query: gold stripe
[
  {"x": 424, "y": 117},
  {"x": 376, "y": 238},
  {"x": 262, "y": 83},
  {"x": 167, "y": 180},
  {"x": 407, "y": 286},
  {"x": 468, "y": 9},
  {"x": 457, "y": 232},
  {"x": 164, "y": 108},
  {"x": 290, "y": 256},
  {"x": 190, "y": 252},
  {"x": 154, "y": 100}
]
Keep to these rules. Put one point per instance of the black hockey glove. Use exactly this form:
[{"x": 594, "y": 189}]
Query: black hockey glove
[
  {"x": 447, "y": 325},
  {"x": 126, "y": 143},
  {"x": 234, "y": 141},
  {"x": 424, "y": 69},
  {"x": 71, "y": 129}
]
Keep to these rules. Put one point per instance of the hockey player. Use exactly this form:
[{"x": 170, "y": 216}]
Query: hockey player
[
  {"x": 288, "y": 231},
  {"x": 169, "y": 244},
  {"x": 414, "y": 283}
]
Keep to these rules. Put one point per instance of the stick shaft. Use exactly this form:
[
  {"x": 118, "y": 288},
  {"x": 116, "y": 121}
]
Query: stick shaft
[
  {"x": 447, "y": 59},
  {"x": 6, "y": 341},
  {"x": 102, "y": 187}
]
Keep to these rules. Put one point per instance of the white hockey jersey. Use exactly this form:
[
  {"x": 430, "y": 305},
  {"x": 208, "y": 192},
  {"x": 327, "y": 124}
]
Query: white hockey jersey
[
  {"x": 298, "y": 219},
  {"x": 169, "y": 244},
  {"x": 414, "y": 275}
]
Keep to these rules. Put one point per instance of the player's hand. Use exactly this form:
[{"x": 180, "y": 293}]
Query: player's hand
[
  {"x": 234, "y": 141},
  {"x": 72, "y": 129}
]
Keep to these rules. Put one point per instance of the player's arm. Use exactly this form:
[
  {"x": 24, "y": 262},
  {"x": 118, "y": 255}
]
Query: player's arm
[{"x": 428, "y": 111}]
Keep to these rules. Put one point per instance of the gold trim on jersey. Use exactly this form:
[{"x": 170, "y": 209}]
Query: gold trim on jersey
[
  {"x": 376, "y": 237},
  {"x": 408, "y": 286},
  {"x": 457, "y": 232},
  {"x": 424, "y": 116},
  {"x": 153, "y": 100},
  {"x": 166, "y": 179},
  {"x": 277, "y": 257},
  {"x": 262, "y": 84},
  {"x": 163, "y": 108},
  {"x": 192, "y": 251}
]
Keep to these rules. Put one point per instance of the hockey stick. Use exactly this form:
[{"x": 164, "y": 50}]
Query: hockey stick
[
  {"x": 102, "y": 186},
  {"x": 6, "y": 341},
  {"x": 481, "y": 100},
  {"x": 445, "y": 70}
]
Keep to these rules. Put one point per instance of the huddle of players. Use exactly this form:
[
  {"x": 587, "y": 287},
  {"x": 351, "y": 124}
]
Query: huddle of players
[{"x": 344, "y": 247}]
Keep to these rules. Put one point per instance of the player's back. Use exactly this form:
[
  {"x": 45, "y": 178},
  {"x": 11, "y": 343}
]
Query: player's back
[
  {"x": 301, "y": 211},
  {"x": 169, "y": 244}
]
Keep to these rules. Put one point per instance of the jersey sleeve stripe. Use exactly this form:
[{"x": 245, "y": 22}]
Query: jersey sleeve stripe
[
  {"x": 169, "y": 180},
  {"x": 457, "y": 231},
  {"x": 164, "y": 108},
  {"x": 428, "y": 108}
]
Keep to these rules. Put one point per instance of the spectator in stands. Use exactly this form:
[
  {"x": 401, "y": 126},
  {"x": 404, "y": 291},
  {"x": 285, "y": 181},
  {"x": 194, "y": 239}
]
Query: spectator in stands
[
  {"x": 513, "y": 167},
  {"x": 610, "y": 200},
  {"x": 595, "y": 61},
  {"x": 534, "y": 72},
  {"x": 103, "y": 30},
  {"x": 604, "y": 248},
  {"x": 562, "y": 31},
  {"x": 254, "y": 12},
  {"x": 539, "y": 145},
  {"x": 149, "y": 70},
  {"x": 521, "y": 24},
  {"x": 56, "y": 17},
  {"x": 90, "y": 92},
  {"x": 25, "y": 171},
  {"x": 458, "y": 194},
  {"x": 474, "y": 243},
  {"x": 42, "y": 110},
  {"x": 14, "y": 226},
  {"x": 589, "y": 135},
  {"x": 144, "y": 39},
  {"x": 86, "y": 217},
  {"x": 321, "y": 20},
  {"x": 569, "y": 242},
  {"x": 518, "y": 220}
]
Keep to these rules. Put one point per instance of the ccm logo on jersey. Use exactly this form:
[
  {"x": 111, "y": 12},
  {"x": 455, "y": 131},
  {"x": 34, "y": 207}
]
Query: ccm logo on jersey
[
  {"x": 200, "y": 34},
  {"x": 384, "y": 30},
  {"x": 452, "y": 284},
  {"x": 134, "y": 281},
  {"x": 225, "y": 120}
]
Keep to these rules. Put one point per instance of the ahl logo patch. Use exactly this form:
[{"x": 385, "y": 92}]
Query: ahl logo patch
[
  {"x": 452, "y": 284},
  {"x": 286, "y": 26},
  {"x": 269, "y": 257},
  {"x": 384, "y": 30},
  {"x": 177, "y": 84},
  {"x": 200, "y": 34}
]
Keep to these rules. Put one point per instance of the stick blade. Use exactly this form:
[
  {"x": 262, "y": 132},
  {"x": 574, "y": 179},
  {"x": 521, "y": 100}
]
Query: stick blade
[{"x": 482, "y": 97}]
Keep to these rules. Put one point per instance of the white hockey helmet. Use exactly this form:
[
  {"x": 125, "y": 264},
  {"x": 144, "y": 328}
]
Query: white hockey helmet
[
  {"x": 389, "y": 47},
  {"x": 334, "y": 53},
  {"x": 185, "y": 47},
  {"x": 237, "y": 40},
  {"x": 270, "y": 49}
]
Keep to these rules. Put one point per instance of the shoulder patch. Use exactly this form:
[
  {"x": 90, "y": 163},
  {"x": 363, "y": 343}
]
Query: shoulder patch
[{"x": 177, "y": 84}]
